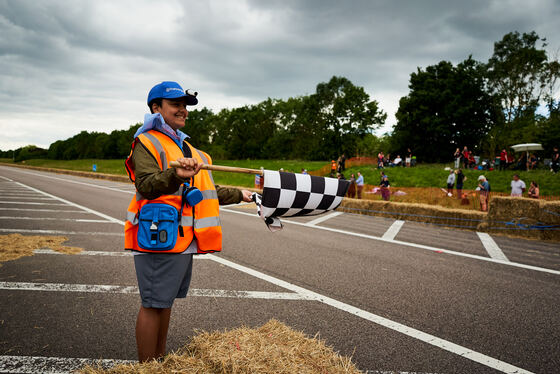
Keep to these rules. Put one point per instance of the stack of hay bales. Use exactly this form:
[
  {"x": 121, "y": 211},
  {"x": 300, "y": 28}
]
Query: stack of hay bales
[
  {"x": 513, "y": 216},
  {"x": 468, "y": 219},
  {"x": 523, "y": 217}
]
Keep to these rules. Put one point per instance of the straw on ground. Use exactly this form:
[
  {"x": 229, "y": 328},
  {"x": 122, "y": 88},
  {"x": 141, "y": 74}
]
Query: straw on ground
[
  {"x": 271, "y": 348},
  {"x": 14, "y": 246}
]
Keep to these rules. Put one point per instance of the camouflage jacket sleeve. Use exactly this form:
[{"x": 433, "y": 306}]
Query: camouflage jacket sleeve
[{"x": 152, "y": 182}]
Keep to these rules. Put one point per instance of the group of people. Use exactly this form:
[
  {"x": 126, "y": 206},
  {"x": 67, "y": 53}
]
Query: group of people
[
  {"x": 338, "y": 166},
  {"x": 356, "y": 186},
  {"x": 506, "y": 160},
  {"x": 456, "y": 179},
  {"x": 384, "y": 161},
  {"x": 465, "y": 158}
]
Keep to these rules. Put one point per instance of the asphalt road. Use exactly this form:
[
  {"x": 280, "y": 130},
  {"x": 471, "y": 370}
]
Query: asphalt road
[{"x": 398, "y": 297}]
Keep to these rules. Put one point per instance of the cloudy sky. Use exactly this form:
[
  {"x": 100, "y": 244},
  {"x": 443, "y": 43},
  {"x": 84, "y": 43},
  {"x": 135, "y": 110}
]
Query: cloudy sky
[{"x": 69, "y": 66}]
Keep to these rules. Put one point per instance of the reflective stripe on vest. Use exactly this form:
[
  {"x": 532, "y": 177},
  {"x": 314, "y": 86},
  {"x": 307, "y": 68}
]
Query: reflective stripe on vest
[{"x": 202, "y": 221}]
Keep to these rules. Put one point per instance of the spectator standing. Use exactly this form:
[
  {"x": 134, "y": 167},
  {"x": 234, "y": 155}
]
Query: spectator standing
[
  {"x": 465, "y": 157},
  {"x": 533, "y": 190},
  {"x": 408, "y": 159},
  {"x": 333, "y": 168},
  {"x": 380, "y": 159},
  {"x": 360, "y": 184},
  {"x": 385, "y": 191},
  {"x": 472, "y": 160},
  {"x": 555, "y": 161},
  {"x": 457, "y": 158},
  {"x": 532, "y": 162},
  {"x": 352, "y": 187},
  {"x": 517, "y": 186},
  {"x": 503, "y": 159},
  {"x": 339, "y": 165},
  {"x": 343, "y": 161},
  {"x": 450, "y": 182},
  {"x": 483, "y": 193},
  {"x": 460, "y": 180}
]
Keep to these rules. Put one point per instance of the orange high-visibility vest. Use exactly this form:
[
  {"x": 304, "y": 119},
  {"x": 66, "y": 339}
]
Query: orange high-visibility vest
[{"x": 201, "y": 221}]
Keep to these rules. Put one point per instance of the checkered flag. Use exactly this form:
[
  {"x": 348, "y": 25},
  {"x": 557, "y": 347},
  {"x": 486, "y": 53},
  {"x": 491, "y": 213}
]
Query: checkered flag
[{"x": 291, "y": 195}]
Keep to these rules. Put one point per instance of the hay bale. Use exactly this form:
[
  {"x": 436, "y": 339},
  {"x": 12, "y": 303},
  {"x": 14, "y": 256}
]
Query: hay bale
[
  {"x": 550, "y": 215},
  {"x": 522, "y": 216},
  {"x": 14, "y": 246},
  {"x": 414, "y": 212},
  {"x": 506, "y": 208},
  {"x": 271, "y": 348}
]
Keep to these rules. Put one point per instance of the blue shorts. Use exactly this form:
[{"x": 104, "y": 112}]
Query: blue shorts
[{"x": 162, "y": 277}]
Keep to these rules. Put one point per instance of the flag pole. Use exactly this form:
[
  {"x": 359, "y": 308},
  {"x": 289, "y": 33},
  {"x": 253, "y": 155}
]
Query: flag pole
[{"x": 230, "y": 169}]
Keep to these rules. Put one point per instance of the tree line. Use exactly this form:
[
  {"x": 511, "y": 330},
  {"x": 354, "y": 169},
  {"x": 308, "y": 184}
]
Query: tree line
[{"x": 512, "y": 98}]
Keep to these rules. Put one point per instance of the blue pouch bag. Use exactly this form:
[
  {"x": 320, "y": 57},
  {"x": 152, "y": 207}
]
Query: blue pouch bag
[{"x": 157, "y": 227}]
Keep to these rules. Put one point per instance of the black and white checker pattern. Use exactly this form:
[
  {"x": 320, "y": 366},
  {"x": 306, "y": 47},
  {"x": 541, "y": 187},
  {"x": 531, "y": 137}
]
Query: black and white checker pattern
[{"x": 290, "y": 194}]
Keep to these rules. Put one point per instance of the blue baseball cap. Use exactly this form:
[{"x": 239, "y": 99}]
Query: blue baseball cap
[{"x": 171, "y": 90}]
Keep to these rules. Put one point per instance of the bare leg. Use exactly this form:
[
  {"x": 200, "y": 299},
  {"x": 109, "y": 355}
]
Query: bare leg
[{"x": 151, "y": 332}]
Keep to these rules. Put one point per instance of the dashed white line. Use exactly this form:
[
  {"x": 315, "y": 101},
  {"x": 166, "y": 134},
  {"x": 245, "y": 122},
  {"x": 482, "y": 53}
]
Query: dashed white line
[
  {"x": 122, "y": 253},
  {"x": 323, "y": 218},
  {"x": 103, "y": 288},
  {"x": 491, "y": 247},
  {"x": 393, "y": 230},
  {"x": 56, "y": 219},
  {"x": 109, "y": 218},
  {"x": 28, "y": 203},
  {"x": 46, "y": 210}
]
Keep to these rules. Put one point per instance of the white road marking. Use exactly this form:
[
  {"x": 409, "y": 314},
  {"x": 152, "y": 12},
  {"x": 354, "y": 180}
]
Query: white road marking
[
  {"x": 392, "y": 231},
  {"x": 7, "y": 179},
  {"x": 25, "y": 196},
  {"x": 52, "y": 365},
  {"x": 102, "y": 288},
  {"x": 382, "y": 321},
  {"x": 109, "y": 218},
  {"x": 72, "y": 181},
  {"x": 46, "y": 210},
  {"x": 60, "y": 232},
  {"x": 122, "y": 253},
  {"x": 323, "y": 218},
  {"x": 491, "y": 247},
  {"x": 57, "y": 219},
  {"x": 65, "y": 365},
  {"x": 28, "y": 203},
  {"x": 85, "y": 253},
  {"x": 414, "y": 245}
]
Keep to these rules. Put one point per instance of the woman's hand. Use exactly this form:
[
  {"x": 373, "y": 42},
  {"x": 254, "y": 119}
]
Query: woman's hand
[
  {"x": 247, "y": 196},
  {"x": 189, "y": 167}
]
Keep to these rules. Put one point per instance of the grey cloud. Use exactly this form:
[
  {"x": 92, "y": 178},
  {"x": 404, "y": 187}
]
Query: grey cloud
[{"x": 85, "y": 57}]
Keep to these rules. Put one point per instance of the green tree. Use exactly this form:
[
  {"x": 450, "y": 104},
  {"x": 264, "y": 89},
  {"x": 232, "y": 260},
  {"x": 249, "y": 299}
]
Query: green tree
[
  {"x": 447, "y": 107},
  {"x": 517, "y": 73}
]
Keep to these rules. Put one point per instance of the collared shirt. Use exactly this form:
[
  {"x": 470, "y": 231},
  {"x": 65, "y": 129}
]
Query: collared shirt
[{"x": 155, "y": 121}]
